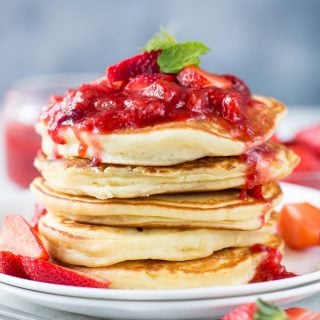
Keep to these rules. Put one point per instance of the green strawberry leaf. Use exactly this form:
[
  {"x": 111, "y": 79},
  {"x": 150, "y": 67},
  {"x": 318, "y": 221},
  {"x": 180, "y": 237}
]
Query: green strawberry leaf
[{"x": 266, "y": 311}]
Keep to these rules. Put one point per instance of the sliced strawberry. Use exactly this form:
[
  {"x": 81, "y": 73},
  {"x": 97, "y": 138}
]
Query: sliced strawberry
[
  {"x": 194, "y": 77},
  {"x": 145, "y": 62},
  {"x": 302, "y": 314},
  {"x": 18, "y": 237},
  {"x": 299, "y": 225},
  {"x": 39, "y": 211},
  {"x": 245, "y": 312},
  {"x": 259, "y": 310},
  {"x": 45, "y": 271},
  {"x": 309, "y": 160},
  {"x": 11, "y": 264},
  {"x": 311, "y": 138}
]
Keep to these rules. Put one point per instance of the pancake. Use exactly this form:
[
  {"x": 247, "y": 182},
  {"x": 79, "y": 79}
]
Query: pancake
[
  {"x": 77, "y": 176},
  {"x": 225, "y": 267},
  {"x": 99, "y": 246},
  {"x": 220, "y": 209},
  {"x": 164, "y": 144}
]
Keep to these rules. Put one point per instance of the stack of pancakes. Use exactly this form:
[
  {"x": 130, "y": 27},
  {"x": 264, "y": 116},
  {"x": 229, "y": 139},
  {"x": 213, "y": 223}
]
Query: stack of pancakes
[{"x": 164, "y": 208}]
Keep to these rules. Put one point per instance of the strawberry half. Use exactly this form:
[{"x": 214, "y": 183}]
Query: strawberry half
[
  {"x": 194, "y": 77},
  {"x": 258, "y": 310},
  {"x": 302, "y": 314},
  {"x": 18, "y": 237},
  {"x": 11, "y": 264},
  {"x": 245, "y": 312},
  {"x": 45, "y": 271},
  {"x": 311, "y": 138},
  {"x": 145, "y": 62}
]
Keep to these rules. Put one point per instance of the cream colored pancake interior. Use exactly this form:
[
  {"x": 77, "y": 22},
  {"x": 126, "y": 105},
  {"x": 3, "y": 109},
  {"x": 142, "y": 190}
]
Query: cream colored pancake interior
[
  {"x": 225, "y": 267},
  {"x": 98, "y": 246},
  {"x": 220, "y": 209},
  {"x": 77, "y": 177},
  {"x": 164, "y": 144}
]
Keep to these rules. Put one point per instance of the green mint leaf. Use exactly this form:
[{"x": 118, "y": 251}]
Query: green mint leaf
[
  {"x": 175, "y": 57},
  {"x": 160, "y": 40},
  {"x": 266, "y": 311}
]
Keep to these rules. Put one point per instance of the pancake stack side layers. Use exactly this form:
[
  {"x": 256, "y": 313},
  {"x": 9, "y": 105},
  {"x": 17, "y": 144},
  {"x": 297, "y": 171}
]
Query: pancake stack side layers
[{"x": 155, "y": 178}]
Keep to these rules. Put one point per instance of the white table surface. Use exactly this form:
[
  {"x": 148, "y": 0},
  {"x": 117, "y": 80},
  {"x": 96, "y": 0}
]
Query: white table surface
[{"x": 298, "y": 117}]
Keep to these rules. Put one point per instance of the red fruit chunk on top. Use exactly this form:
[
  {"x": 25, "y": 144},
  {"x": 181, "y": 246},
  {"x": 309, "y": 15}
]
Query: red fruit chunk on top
[
  {"x": 143, "y": 81},
  {"x": 18, "y": 237},
  {"x": 11, "y": 264},
  {"x": 238, "y": 85},
  {"x": 194, "y": 77},
  {"x": 226, "y": 103},
  {"x": 45, "y": 271},
  {"x": 311, "y": 138},
  {"x": 145, "y": 62}
]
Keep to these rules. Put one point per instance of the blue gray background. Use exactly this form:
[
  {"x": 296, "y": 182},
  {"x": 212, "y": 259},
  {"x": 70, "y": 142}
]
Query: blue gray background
[{"x": 273, "y": 44}]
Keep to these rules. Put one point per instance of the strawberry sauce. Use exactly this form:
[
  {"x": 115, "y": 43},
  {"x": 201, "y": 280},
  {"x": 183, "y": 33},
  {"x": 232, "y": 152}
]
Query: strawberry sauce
[
  {"x": 134, "y": 94},
  {"x": 270, "y": 268}
]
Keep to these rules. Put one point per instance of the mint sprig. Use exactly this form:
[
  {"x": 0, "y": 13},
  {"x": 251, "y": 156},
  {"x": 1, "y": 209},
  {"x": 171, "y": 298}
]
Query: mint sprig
[
  {"x": 180, "y": 55},
  {"x": 175, "y": 56},
  {"x": 160, "y": 40}
]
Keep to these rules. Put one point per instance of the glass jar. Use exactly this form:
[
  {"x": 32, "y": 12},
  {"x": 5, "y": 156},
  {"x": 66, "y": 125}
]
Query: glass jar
[{"x": 22, "y": 105}]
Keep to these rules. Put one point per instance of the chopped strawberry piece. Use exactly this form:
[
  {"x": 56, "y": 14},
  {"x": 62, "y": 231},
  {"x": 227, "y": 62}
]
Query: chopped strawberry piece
[
  {"x": 18, "y": 237},
  {"x": 302, "y": 314},
  {"x": 194, "y": 77},
  {"x": 39, "y": 211},
  {"x": 145, "y": 62},
  {"x": 227, "y": 103},
  {"x": 45, "y": 271},
  {"x": 309, "y": 160},
  {"x": 238, "y": 85},
  {"x": 245, "y": 312},
  {"x": 143, "y": 81},
  {"x": 11, "y": 264},
  {"x": 157, "y": 86},
  {"x": 311, "y": 138}
]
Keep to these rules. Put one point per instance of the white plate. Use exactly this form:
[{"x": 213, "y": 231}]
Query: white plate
[
  {"x": 140, "y": 310},
  {"x": 305, "y": 263},
  {"x": 205, "y": 303}
]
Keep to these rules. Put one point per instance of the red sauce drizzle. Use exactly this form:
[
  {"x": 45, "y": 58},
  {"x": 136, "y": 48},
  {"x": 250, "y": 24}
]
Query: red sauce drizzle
[
  {"x": 270, "y": 268},
  {"x": 258, "y": 162},
  {"x": 147, "y": 100}
]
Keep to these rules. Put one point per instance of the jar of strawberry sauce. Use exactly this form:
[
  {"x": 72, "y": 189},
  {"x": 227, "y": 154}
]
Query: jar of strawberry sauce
[{"x": 21, "y": 108}]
